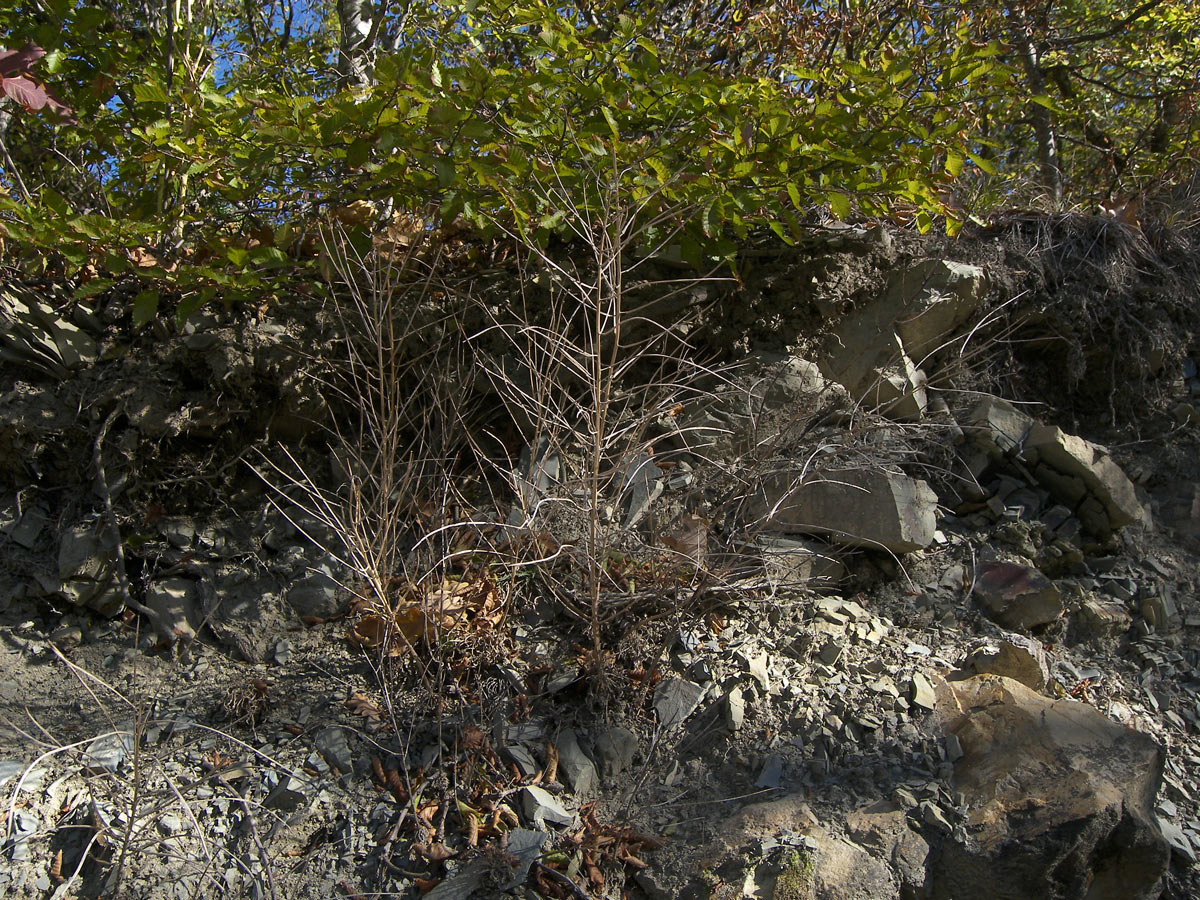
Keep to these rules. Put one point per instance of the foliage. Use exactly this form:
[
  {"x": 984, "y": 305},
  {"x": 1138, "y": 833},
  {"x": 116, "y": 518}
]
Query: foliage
[{"x": 213, "y": 139}]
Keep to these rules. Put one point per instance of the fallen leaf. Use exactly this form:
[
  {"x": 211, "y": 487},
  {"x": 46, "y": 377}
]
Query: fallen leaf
[{"x": 361, "y": 705}]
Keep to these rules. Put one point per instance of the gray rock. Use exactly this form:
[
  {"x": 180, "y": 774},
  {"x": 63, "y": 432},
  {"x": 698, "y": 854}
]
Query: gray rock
[
  {"x": 288, "y": 795},
  {"x": 641, "y": 485},
  {"x": 87, "y": 568},
  {"x": 316, "y": 596},
  {"x": 1160, "y": 611},
  {"x": 10, "y": 770},
  {"x": 536, "y": 475},
  {"x": 771, "y": 774},
  {"x": 883, "y": 829},
  {"x": 1179, "y": 841},
  {"x": 576, "y": 766},
  {"x": 615, "y": 750},
  {"x": 675, "y": 699},
  {"x": 174, "y": 599},
  {"x": 922, "y": 693},
  {"x": 1017, "y": 596},
  {"x": 334, "y": 745},
  {"x": 460, "y": 883},
  {"x": 997, "y": 426},
  {"x": 526, "y": 845},
  {"x": 855, "y": 507},
  {"x": 845, "y": 871},
  {"x": 541, "y": 807},
  {"x": 793, "y": 561},
  {"x": 179, "y": 533},
  {"x": 523, "y": 759},
  {"x": 33, "y": 334},
  {"x": 897, "y": 332},
  {"x": 1076, "y": 458},
  {"x": 1101, "y": 619},
  {"x": 108, "y": 752},
  {"x": 735, "y": 709},
  {"x": 27, "y": 531}
]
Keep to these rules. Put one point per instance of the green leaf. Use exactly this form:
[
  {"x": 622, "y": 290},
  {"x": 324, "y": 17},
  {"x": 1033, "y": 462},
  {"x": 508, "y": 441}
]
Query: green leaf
[
  {"x": 92, "y": 288},
  {"x": 840, "y": 204},
  {"x": 435, "y": 74},
  {"x": 145, "y": 307},
  {"x": 954, "y": 163},
  {"x": 777, "y": 227},
  {"x": 445, "y": 171},
  {"x": 358, "y": 152},
  {"x": 149, "y": 92},
  {"x": 612, "y": 122},
  {"x": 794, "y": 194},
  {"x": 984, "y": 164},
  {"x": 237, "y": 256}
]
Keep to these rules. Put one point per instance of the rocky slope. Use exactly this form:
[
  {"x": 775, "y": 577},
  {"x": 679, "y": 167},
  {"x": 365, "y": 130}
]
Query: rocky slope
[{"x": 898, "y": 593}]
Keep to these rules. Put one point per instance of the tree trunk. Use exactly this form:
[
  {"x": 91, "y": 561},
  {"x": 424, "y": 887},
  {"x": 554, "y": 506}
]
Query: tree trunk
[
  {"x": 1043, "y": 125},
  {"x": 356, "y": 20}
]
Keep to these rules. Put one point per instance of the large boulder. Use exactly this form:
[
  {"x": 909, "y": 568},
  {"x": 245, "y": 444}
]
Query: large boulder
[
  {"x": 1061, "y": 802},
  {"x": 854, "y": 507}
]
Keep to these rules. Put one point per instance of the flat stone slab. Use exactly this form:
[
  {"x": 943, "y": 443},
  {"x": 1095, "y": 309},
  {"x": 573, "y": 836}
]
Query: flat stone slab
[{"x": 855, "y": 507}]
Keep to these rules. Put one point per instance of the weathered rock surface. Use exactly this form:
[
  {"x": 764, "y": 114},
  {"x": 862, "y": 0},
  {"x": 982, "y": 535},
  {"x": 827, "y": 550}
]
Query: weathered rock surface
[
  {"x": 881, "y": 350},
  {"x": 843, "y": 870},
  {"x": 883, "y": 829},
  {"x": 1060, "y": 799},
  {"x": 1017, "y": 596},
  {"x": 87, "y": 568},
  {"x": 855, "y": 507},
  {"x": 997, "y": 426},
  {"x": 1016, "y": 657},
  {"x": 33, "y": 334},
  {"x": 174, "y": 599},
  {"x": 1074, "y": 457}
]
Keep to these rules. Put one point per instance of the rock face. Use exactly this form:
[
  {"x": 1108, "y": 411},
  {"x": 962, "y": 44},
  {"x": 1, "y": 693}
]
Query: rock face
[
  {"x": 856, "y": 507},
  {"x": 880, "y": 352},
  {"x": 1078, "y": 459},
  {"x": 883, "y": 829},
  {"x": 1060, "y": 798},
  {"x": 1076, "y": 472},
  {"x": 1017, "y": 596}
]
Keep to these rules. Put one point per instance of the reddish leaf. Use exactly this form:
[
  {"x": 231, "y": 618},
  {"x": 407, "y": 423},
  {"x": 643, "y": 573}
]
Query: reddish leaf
[
  {"x": 33, "y": 96},
  {"x": 18, "y": 61}
]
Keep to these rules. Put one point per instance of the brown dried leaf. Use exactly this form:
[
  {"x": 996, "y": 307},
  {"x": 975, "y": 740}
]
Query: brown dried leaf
[
  {"x": 689, "y": 538},
  {"x": 361, "y": 705},
  {"x": 368, "y": 632},
  {"x": 434, "y": 851}
]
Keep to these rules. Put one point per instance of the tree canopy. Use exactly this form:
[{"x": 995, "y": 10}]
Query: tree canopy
[{"x": 194, "y": 143}]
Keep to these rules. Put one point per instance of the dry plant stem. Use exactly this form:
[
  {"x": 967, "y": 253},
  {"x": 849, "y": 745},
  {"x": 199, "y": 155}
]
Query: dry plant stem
[
  {"x": 110, "y": 517},
  {"x": 134, "y": 800},
  {"x": 608, "y": 301},
  {"x": 254, "y": 835}
]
